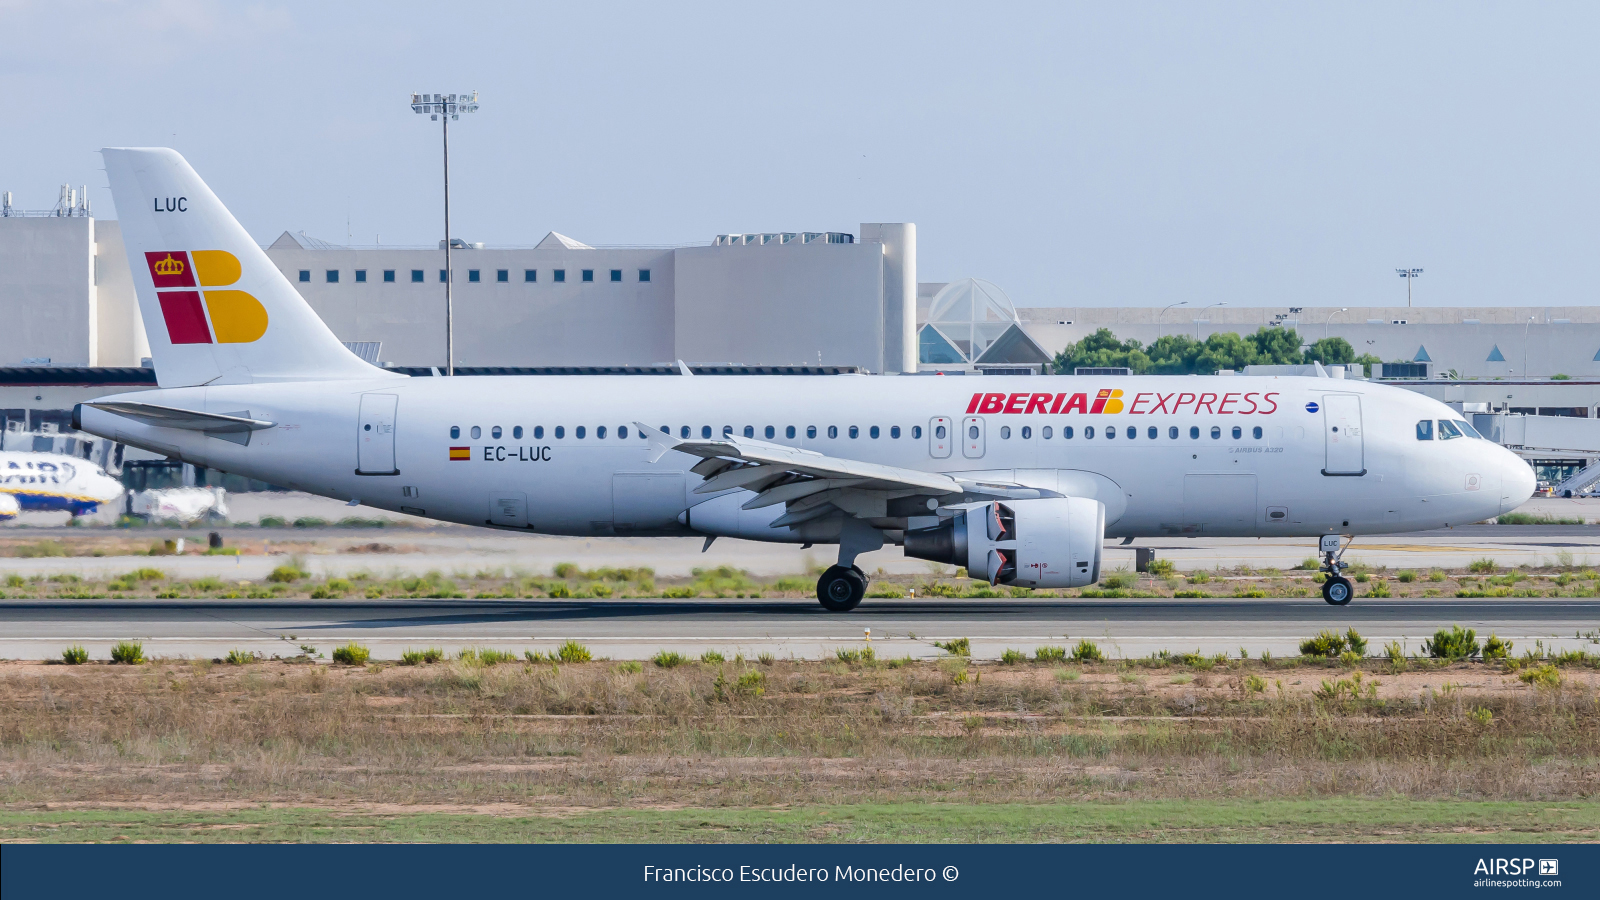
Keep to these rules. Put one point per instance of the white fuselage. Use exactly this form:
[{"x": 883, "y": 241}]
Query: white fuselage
[
  {"x": 1296, "y": 476},
  {"x": 52, "y": 481}
]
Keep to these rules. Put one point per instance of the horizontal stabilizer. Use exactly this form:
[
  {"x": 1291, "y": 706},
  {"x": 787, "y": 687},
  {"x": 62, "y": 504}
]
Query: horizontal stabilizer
[{"x": 187, "y": 419}]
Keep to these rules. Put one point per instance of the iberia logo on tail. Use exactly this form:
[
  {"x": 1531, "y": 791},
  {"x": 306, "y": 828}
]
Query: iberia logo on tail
[{"x": 223, "y": 317}]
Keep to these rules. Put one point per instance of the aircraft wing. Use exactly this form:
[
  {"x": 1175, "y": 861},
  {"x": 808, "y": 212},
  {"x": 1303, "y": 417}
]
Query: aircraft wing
[
  {"x": 188, "y": 419},
  {"x": 813, "y": 484}
]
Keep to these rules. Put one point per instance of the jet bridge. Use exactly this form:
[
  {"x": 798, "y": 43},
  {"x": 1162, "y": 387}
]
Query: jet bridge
[{"x": 1540, "y": 437}]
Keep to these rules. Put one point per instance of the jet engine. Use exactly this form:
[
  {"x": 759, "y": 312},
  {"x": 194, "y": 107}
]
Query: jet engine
[{"x": 1046, "y": 543}]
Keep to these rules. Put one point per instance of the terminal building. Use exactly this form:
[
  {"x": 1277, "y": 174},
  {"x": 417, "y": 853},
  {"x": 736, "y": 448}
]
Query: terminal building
[{"x": 796, "y": 301}]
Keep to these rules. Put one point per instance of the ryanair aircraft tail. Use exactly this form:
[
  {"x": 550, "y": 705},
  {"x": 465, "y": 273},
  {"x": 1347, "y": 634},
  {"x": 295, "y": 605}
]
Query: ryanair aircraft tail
[{"x": 216, "y": 310}]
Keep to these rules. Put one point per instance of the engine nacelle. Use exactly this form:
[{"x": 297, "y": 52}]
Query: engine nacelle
[{"x": 1047, "y": 543}]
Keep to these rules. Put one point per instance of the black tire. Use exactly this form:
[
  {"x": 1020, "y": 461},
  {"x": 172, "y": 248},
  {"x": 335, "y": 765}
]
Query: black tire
[
  {"x": 840, "y": 589},
  {"x": 1337, "y": 590}
]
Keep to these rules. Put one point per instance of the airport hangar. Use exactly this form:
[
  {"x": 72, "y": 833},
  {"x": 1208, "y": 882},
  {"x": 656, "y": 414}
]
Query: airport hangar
[{"x": 765, "y": 302}]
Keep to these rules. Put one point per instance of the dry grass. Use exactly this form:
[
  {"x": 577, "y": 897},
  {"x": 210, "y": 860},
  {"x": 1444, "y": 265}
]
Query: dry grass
[{"x": 593, "y": 735}]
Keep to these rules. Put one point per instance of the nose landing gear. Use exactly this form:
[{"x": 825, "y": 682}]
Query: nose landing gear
[{"x": 1336, "y": 589}]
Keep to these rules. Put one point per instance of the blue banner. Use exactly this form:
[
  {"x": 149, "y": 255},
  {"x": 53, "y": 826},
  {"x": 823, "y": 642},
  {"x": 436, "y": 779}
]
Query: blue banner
[{"x": 241, "y": 872}]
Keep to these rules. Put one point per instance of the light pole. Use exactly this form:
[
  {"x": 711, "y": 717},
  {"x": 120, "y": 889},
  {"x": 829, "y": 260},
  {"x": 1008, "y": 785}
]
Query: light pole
[
  {"x": 1203, "y": 312},
  {"x": 1330, "y": 319},
  {"x": 1408, "y": 275},
  {"x": 446, "y": 107},
  {"x": 1164, "y": 312}
]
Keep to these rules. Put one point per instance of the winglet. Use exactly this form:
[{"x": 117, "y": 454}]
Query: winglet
[
  {"x": 660, "y": 441},
  {"x": 683, "y": 368}
]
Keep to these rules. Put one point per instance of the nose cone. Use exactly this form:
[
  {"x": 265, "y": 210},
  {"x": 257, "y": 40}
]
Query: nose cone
[
  {"x": 106, "y": 489},
  {"x": 1516, "y": 480}
]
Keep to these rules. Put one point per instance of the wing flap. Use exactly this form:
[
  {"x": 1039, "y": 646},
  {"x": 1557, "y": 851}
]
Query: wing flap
[{"x": 187, "y": 419}]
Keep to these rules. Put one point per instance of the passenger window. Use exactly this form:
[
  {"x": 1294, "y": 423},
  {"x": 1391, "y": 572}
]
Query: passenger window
[
  {"x": 811, "y": 431},
  {"x": 770, "y": 432},
  {"x": 833, "y": 431},
  {"x": 1005, "y": 432},
  {"x": 854, "y": 432},
  {"x": 916, "y": 431},
  {"x": 727, "y": 431},
  {"x": 1172, "y": 433},
  {"x": 1152, "y": 432},
  {"x": 1088, "y": 432},
  {"x": 578, "y": 432},
  {"x": 683, "y": 432},
  {"x": 622, "y": 431},
  {"x": 705, "y": 431},
  {"x": 1111, "y": 432},
  {"x": 1216, "y": 433},
  {"x": 455, "y": 431},
  {"x": 1194, "y": 432},
  {"x": 1066, "y": 432},
  {"x": 973, "y": 432},
  {"x": 1447, "y": 430},
  {"x": 749, "y": 431},
  {"x": 476, "y": 432},
  {"x": 1132, "y": 432},
  {"x": 495, "y": 432},
  {"x": 561, "y": 432},
  {"x": 1237, "y": 432},
  {"x": 1425, "y": 430},
  {"x": 1045, "y": 432},
  {"x": 789, "y": 432},
  {"x": 1256, "y": 432},
  {"x": 938, "y": 432},
  {"x": 894, "y": 432},
  {"x": 1027, "y": 432},
  {"x": 873, "y": 432},
  {"x": 516, "y": 433},
  {"x": 538, "y": 432},
  {"x": 599, "y": 433}
]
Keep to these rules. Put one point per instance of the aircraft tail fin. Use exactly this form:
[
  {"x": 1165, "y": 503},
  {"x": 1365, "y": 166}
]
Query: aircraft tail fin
[{"x": 215, "y": 308}]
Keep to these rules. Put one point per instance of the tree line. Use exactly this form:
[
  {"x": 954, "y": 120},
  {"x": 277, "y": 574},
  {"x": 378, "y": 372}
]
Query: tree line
[{"x": 1179, "y": 354}]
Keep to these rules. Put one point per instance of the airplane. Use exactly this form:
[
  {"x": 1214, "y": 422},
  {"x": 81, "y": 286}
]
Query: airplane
[
  {"x": 1018, "y": 479},
  {"x": 52, "y": 481}
]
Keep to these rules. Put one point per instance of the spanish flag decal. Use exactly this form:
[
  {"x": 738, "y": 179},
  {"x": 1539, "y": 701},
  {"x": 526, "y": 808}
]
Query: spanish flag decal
[{"x": 460, "y": 453}]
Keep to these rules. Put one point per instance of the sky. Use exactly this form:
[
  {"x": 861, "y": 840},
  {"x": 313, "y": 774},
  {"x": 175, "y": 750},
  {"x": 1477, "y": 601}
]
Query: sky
[{"x": 1076, "y": 154}]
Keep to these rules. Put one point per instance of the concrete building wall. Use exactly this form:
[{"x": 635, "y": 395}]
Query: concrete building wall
[
  {"x": 512, "y": 323},
  {"x": 781, "y": 304},
  {"x": 47, "y": 290},
  {"x": 120, "y": 331},
  {"x": 899, "y": 240}
]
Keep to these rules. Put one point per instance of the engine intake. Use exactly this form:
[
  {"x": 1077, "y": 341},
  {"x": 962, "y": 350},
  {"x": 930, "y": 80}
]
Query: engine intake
[{"x": 1046, "y": 543}]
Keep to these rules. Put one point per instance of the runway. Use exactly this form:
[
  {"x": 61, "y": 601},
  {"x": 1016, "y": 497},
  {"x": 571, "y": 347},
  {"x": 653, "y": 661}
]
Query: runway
[{"x": 637, "y": 629}]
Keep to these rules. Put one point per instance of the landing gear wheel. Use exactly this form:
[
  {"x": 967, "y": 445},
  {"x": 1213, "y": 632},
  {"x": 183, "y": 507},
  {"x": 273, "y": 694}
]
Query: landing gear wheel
[
  {"x": 1337, "y": 591},
  {"x": 840, "y": 589}
]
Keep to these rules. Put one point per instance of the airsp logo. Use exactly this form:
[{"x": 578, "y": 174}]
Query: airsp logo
[{"x": 1549, "y": 867}]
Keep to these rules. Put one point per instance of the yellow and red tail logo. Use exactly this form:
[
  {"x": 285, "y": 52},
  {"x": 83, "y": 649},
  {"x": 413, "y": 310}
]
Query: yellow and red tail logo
[{"x": 225, "y": 317}]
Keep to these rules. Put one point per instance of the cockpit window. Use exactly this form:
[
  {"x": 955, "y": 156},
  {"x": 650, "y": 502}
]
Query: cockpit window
[
  {"x": 1425, "y": 430},
  {"x": 1448, "y": 430},
  {"x": 1468, "y": 430}
]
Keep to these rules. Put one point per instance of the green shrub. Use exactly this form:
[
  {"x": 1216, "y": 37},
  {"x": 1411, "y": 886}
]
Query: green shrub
[
  {"x": 351, "y": 654},
  {"x": 1199, "y": 577},
  {"x": 1545, "y": 676},
  {"x": 241, "y": 657},
  {"x": 1356, "y": 643},
  {"x": 339, "y": 586},
  {"x": 490, "y": 657},
  {"x": 1363, "y": 577},
  {"x": 1309, "y": 564},
  {"x": 1087, "y": 651},
  {"x": 15, "y": 580},
  {"x": 311, "y": 522},
  {"x": 1481, "y": 565},
  {"x": 1255, "y": 684},
  {"x": 432, "y": 655},
  {"x": 955, "y": 646},
  {"x": 630, "y": 667},
  {"x": 145, "y": 574},
  {"x": 712, "y": 656},
  {"x": 1190, "y": 595},
  {"x": 286, "y": 574},
  {"x": 1011, "y": 657},
  {"x": 1494, "y": 648},
  {"x": 751, "y": 684},
  {"x": 1394, "y": 651},
  {"x": 558, "y": 590},
  {"x": 886, "y": 590},
  {"x": 75, "y": 655},
  {"x": 1328, "y": 644},
  {"x": 1050, "y": 654},
  {"x": 794, "y": 583},
  {"x": 1115, "y": 580},
  {"x": 272, "y": 522},
  {"x": 668, "y": 659},
  {"x": 1570, "y": 658},
  {"x": 1161, "y": 568},
  {"x": 1453, "y": 644},
  {"x": 677, "y": 593},
  {"x": 409, "y": 657},
  {"x": 1436, "y": 575},
  {"x": 128, "y": 653},
  {"x": 853, "y": 655},
  {"x": 1406, "y": 576},
  {"x": 1349, "y": 658},
  {"x": 573, "y": 652},
  {"x": 766, "y": 659}
]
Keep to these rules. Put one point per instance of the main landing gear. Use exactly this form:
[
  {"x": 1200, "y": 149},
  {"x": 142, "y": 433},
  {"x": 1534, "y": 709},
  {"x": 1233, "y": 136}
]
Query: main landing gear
[
  {"x": 841, "y": 589},
  {"x": 1336, "y": 588}
]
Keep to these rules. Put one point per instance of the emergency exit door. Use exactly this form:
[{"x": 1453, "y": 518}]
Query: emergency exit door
[
  {"x": 375, "y": 435},
  {"x": 1341, "y": 423}
]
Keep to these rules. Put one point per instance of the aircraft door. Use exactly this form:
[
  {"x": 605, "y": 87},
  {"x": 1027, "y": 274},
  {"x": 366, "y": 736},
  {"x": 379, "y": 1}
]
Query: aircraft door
[
  {"x": 1341, "y": 423},
  {"x": 375, "y": 435},
  {"x": 940, "y": 436},
  {"x": 972, "y": 437},
  {"x": 508, "y": 509}
]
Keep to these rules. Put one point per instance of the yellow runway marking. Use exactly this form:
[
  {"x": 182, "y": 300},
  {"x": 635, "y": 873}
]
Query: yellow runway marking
[{"x": 1426, "y": 548}]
